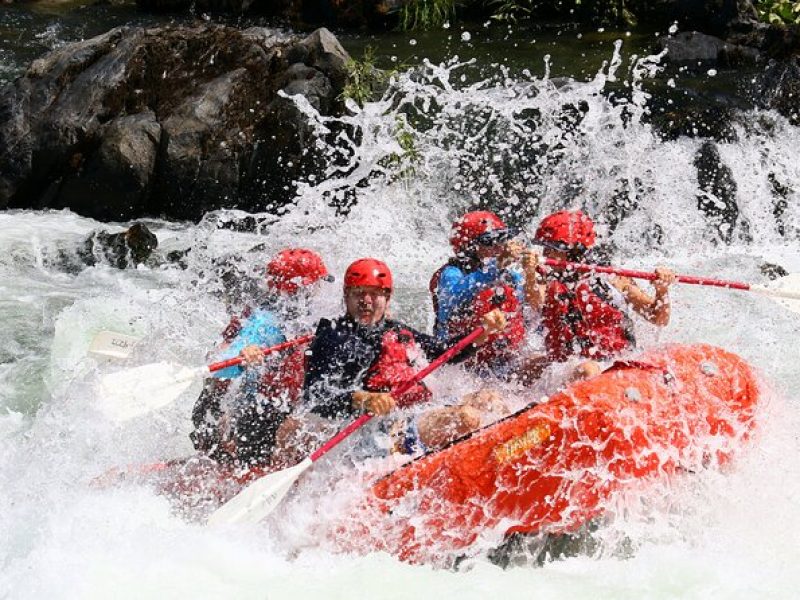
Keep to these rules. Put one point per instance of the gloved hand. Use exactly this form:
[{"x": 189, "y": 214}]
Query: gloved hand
[
  {"x": 511, "y": 253},
  {"x": 252, "y": 355},
  {"x": 493, "y": 322},
  {"x": 375, "y": 403},
  {"x": 665, "y": 278}
]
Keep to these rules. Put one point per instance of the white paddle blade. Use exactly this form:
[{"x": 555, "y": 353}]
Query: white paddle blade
[
  {"x": 785, "y": 291},
  {"x": 110, "y": 344},
  {"x": 134, "y": 392},
  {"x": 260, "y": 498}
]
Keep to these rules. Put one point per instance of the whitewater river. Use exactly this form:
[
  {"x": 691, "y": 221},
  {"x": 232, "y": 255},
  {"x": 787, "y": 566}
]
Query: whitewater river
[{"x": 731, "y": 535}]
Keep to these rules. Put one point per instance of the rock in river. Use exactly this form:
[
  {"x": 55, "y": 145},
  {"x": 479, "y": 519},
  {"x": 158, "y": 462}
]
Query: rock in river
[{"x": 169, "y": 121}]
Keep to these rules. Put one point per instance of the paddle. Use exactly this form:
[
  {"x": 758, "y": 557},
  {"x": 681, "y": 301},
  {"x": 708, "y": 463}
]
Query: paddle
[
  {"x": 786, "y": 289},
  {"x": 110, "y": 344},
  {"x": 134, "y": 392},
  {"x": 261, "y": 497}
]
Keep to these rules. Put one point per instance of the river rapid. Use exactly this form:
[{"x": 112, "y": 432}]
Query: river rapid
[{"x": 730, "y": 535}]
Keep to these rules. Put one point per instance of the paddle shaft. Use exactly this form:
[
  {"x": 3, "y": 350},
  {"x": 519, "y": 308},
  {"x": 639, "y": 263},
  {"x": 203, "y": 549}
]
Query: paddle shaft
[
  {"x": 232, "y": 362},
  {"x": 407, "y": 385},
  {"x": 690, "y": 279},
  {"x": 585, "y": 268}
]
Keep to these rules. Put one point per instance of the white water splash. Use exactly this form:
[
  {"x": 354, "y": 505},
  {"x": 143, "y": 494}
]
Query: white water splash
[{"x": 717, "y": 534}]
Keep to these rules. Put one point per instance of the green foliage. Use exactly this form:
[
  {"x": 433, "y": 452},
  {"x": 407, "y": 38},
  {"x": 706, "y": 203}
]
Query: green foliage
[
  {"x": 779, "y": 11},
  {"x": 403, "y": 163},
  {"x": 613, "y": 13},
  {"x": 425, "y": 14},
  {"x": 363, "y": 78},
  {"x": 510, "y": 11}
]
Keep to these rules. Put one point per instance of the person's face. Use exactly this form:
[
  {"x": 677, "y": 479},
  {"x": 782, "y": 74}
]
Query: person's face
[
  {"x": 366, "y": 305},
  {"x": 297, "y": 302},
  {"x": 484, "y": 253},
  {"x": 555, "y": 254}
]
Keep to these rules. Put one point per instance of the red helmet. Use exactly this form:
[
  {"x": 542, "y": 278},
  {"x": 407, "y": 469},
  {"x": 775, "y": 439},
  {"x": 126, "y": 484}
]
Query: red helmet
[
  {"x": 293, "y": 268},
  {"x": 469, "y": 228},
  {"x": 566, "y": 230},
  {"x": 368, "y": 272}
]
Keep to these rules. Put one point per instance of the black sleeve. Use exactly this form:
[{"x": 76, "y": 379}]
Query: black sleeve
[
  {"x": 206, "y": 414},
  {"x": 323, "y": 375}
]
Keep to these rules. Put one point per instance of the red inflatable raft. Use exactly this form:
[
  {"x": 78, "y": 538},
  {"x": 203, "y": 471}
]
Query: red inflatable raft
[
  {"x": 548, "y": 468},
  {"x": 554, "y": 466}
]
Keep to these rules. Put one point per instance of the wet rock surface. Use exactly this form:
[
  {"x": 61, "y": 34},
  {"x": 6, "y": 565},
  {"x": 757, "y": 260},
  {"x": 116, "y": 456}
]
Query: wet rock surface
[
  {"x": 170, "y": 121},
  {"x": 694, "y": 49},
  {"x": 121, "y": 250},
  {"x": 697, "y": 121},
  {"x": 718, "y": 199},
  {"x": 772, "y": 271},
  {"x": 778, "y": 88},
  {"x": 351, "y": 14},
  {"x": 713, "y": 17}
]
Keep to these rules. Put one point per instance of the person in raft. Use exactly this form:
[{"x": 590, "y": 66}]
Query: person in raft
[
  {"x": 356, "y": 361},
  {"x": 584, "y": 314},
  {"x": 484, "y": 274},
  {"x": 244, "y": 432}
]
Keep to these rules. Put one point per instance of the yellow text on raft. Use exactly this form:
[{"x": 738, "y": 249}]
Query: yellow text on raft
[{"x": 518, "y": 446}]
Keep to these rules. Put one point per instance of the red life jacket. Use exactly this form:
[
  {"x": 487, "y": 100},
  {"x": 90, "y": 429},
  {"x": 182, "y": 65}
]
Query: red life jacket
[
  {"x": 283, "y": 377},
  {"x": 234, "y": 326},
  {"x": 580, "y": 319},
  {"x": 282, "y": 380},
  {"x": 433, "y": 288},
  {"x": 394, "y": 366},
  {"x": 467, "y": 317},
  {"x": 232, "y": 329}
]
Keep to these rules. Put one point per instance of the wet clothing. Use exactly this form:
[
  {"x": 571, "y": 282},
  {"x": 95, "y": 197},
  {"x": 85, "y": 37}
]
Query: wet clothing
[
  {"x": 250, "y": 420},
  {"x": 585, "y": 316},
  {"x": 392, "y": 435},
  {"x": 239, "y": 419},
  {"x": 345, "y": 357},
  {"x": 260, "y": 328},
  {"x": 234, "y": 326},
  {"x": 464, "y": 291},
  {"x": 207, "y": 414},
  {"x": 255, "y": 422},
  {"x": 457, "y": 283}
]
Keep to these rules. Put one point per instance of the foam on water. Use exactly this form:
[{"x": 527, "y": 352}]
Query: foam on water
[{"x": 721, "y": 534}]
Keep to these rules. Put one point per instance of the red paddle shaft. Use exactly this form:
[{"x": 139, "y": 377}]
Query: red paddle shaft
[
  {"x": 232, "y": 362},
  {"x": 434, "y": 364},
  {"x": 584, "y": 268}
]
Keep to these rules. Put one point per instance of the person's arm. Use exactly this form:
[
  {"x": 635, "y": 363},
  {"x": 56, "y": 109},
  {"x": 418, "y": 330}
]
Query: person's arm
[
  {"x": 456, "y": 287},
  {"x": 535, "y": 286},
  {"x": 656, "y": 308}
]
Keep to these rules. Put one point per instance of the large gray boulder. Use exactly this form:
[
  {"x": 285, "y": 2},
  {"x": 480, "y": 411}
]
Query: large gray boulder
[
  {"x": 121, "y": 169},
  {"x": 170, "y": 121}
]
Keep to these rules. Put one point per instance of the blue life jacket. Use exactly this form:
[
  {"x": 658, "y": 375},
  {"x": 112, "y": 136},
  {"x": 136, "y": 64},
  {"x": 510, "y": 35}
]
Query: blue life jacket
[
  {"x": 261, "y": 328},
  {"x": 453, "y": 286}
]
